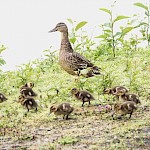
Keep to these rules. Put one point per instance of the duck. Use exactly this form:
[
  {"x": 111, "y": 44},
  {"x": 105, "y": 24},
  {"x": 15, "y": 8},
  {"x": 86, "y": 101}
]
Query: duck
[
  {"x": 71, "y": 61},
  {"x": 28, "y": 102},
  {"x": 64, "y": 109},
  {"x": 131, "y": 97},
  {"x": 127, "y": 107},
  {"x": 84, "y": 96},
  {"x": 2, "y": 98},
  {"x": 27, "y": 91},
  {"x": 117, "y": 91}
]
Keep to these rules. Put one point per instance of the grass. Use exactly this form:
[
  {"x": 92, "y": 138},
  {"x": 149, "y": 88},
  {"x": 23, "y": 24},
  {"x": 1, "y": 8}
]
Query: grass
[{"x": 87, "y": 128}]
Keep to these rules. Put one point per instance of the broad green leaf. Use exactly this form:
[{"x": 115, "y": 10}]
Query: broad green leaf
[
  {"x": 101, "y": 36},
  {"x": 72, "y": 40},
  {"x": 120, "y": 18},
  {"x": 70, "y": 20},
  {"x": 142, "y": 23},
  {"x": 107, "y": 30},
  {"x": 80, "y": 25},
  {"x": 126, "y": 30},
  {"x": 105, "y": 10},
  {"x": 141, "y": 5},
  {"x": 2, "y": 62},
  {"x": 118, "y": 33}
]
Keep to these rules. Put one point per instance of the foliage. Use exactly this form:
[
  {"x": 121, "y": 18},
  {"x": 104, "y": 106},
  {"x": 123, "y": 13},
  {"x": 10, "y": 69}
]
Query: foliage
[
  {"x": 145, "y": 23},
  {"x": 109, "y": 35},
  {"x": 2, "y": 61},
  {"x": 130, "y": 68}
]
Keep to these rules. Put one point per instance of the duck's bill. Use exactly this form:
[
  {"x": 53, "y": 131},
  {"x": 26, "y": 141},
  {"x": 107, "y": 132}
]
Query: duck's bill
[{"x": 53, "y": 30}]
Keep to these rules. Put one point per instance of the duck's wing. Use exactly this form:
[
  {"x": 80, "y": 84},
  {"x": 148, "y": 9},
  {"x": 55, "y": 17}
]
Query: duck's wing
[{"x": 78, "y": 62}]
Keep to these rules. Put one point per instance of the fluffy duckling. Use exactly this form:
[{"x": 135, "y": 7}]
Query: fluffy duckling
[
  {"x": 27, "y": 102},
  {"x": 27, "y": 91},
  {"x": 2, "y": 98},
  {"x": 124, "y": 108},
  {"x": 131, "y": 97},
  {"x": 63, "y": 109},
  {"x": 117, "y": 90},
  {"x": 84, "y": 96}
]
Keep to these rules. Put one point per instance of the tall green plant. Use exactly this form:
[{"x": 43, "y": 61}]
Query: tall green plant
[
  {"x": 79, "y": 38},
  {"x": 109, "y": 35},
  {"x": 145, "y": 24}
]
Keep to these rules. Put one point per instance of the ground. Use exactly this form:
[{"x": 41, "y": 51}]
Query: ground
[{"x": 87, "y": 128}]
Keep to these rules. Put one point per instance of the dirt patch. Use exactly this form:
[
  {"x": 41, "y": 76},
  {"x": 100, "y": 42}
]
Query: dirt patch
[{"x": 89, "y": 129}]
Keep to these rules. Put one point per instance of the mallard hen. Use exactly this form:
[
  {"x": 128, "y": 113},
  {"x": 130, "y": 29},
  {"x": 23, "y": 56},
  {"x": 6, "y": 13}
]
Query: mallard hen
[{"x": 72, "y": 62}]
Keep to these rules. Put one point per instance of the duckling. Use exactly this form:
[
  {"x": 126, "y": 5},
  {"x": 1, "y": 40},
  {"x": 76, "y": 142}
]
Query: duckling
[
  {"x": 131, "y": 97},
  {"x": 72, "y": 62},
  {"x": 62, "y": 109},
  {"x": 28, "y": 102},
  {"x": 84, "y": 96},
  {"x": 2, "y": 98},
  {"x": 124, "y": 108},
  {"x": 117, "y": 90},
  {"x": 27, "y": 91},
  {"x": 29, "y": 84}
]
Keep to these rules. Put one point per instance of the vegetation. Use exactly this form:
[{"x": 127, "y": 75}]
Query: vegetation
[{"x": 122, "y": 62}]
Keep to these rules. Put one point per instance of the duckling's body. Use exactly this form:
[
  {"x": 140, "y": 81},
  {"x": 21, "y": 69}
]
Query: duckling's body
[
  {"x": 63, "y": 109},
  {"x": 131, "y": 97},
  {"x": 2, "y": 98},
  {"x": 117, "y": 90},
  {"x": 28, "y": 102},
  {"x": 27, "y": 91},
  {"x": 72, "y": 62},
  {"x": 124, "y": 108},
  {"x": 84, "y": 96}
]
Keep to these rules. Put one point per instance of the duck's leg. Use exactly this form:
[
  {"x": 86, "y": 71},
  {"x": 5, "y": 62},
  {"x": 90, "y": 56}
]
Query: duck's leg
[
  {"x": 89, "y": 102},
  {"x": 63, "y": 116},
  {"x": 82, "y": 103},
  {"x": 67, "y": 117}
]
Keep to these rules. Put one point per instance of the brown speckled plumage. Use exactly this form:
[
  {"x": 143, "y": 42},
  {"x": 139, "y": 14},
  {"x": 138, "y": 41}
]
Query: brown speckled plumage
[
  {"x": 124, "y": 108},
  {"x": 27, "y": 102},
  {"x": 63, "y": 109},
  {"x": 2, "y": 97},
  {"x": 131, "y": 97},
  {"x": 117, "y": 90},
  {"x": 84, "y": 96},
  {"x": 72, "y": 62}
]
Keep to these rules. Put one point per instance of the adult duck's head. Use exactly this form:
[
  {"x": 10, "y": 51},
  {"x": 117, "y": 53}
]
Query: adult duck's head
[{"x": 61, "y": 27}]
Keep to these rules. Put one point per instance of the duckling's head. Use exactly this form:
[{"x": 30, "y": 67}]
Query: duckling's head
[
  {"x": 29, "y": 84},
  {"x": 107, "y": 91},
  {"x": 74, "y": 91},
  {"x": 21, "y": 98},
  {"x": 117, "y": 107},
  {"x": 61, "y": 27},
  {"x": 53, "y": 108}
]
